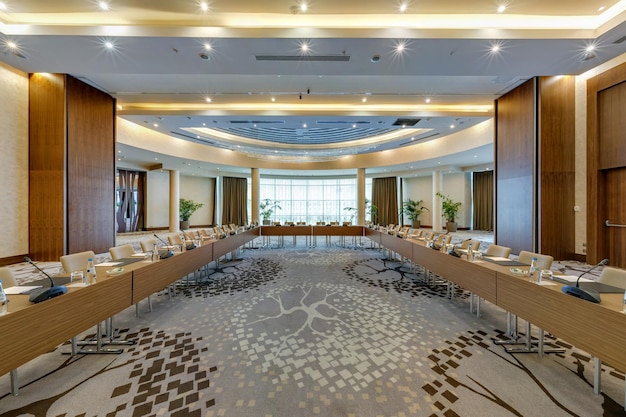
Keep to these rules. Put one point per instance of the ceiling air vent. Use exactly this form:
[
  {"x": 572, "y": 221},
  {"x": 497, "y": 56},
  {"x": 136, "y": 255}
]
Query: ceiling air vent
[
  {"x": 323, "y": 58},
  {"x": 620, "y": 40},
  {"x": 257, "y": 122},
  {"x": 406, "y": 122}
]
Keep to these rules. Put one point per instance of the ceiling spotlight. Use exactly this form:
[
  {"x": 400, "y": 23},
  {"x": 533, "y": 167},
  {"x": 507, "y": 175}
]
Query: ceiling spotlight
[
  {"x": 403, "y": 7},
  {"x": 207, "y": 46},
  {"x": 354, "y": 126},
  {"x": 108, "y": 45},
  {"x": 204, "y": 7},
  {"x": 400, "y": 47},
  {"x": 495, "y": 48},
  {"x": 208, "y": 99},
  {"x": 375, "y": 58},
  {"x": 590, "y": 48},
  {"x": 273, "y": 99},
  {"x": 103, "y": 5},
  {"x": 451, "y": 126},
  {"x": 601, "y": 8},
  {"x": 204, "y": 56},
  {"x": 304, "y": 47},
  {"x": 501, "y": 8},
  {"x": 12, "y": 45},
  {"x": 364, "y": 99},
  {"x": 304, "y": 125},
  {"x": 427, "y": 100},
  {"x": 303, "y": 7},
  {"x": 156, "y": 125}
]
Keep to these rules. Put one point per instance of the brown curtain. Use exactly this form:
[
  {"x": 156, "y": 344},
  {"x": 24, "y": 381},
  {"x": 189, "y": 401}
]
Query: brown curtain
[
  {"x": 385, "y": 198},
  {"x": 235, "y": 202},
  {"x": 483, "y": 200},
  {"x": 130, "y": 192}
]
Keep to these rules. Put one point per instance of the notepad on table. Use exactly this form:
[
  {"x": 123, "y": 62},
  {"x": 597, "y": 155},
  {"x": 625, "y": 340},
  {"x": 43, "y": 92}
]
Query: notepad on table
[
  {"x": 109, "y": 263},
  {"x": 499, "y": 259},
  {"x": 21, "y": 289},
  {"x": 571, "y": 279}
]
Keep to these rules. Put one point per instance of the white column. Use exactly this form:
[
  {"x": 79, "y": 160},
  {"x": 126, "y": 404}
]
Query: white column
[
  {"x": 174, "y": 201},
  {"x": 436, "y": 211},
  {"x": 360, "y": 195},
  {"x": 256, "y": 194},
  {"x": 219, "y": 199}
]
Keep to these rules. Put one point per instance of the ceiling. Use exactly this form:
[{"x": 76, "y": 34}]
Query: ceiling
[{"x": 233, "y": 75}]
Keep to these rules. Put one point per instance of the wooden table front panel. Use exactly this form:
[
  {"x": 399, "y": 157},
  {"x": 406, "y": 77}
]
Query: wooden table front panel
[
  {"x": 401, "y": 246},
  {"x": 471, "y": 276},
  {"x": 30, "y": 330},
  {"x": 286, "y": 230},
  {"x": 337, "y": 230},
  {"x": 599, "y": 329}
]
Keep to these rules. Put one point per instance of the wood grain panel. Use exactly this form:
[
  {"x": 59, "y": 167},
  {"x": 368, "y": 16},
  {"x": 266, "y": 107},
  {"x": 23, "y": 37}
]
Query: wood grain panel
[
  {"x": 598, "y": 330},
  {"x": 286, "y": 230},
  {"x": 557, "y": 167},
  {"x": 402, "y": 247},
  {"x": 37, "y": 328},
  {"x": 90, "y": 168},
  {"x": 46, "y": 166},
  {"x": 514, "y": 162},
  {"x": 612, "y": 126},
  {"x": 337, "y": 230},
  {"x": 597, "y": 245},
  {"x": 614, "y": 196}
]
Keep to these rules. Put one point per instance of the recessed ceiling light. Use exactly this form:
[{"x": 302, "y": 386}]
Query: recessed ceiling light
[
  {"x": 103, "y": 5},
  {"x": 495, "y": 48},
  {"x": 208, "y": 99},
  {"x": 403, "y": 7},
  {"x": 207, "y": 46},
  {"x": 155, "y": 125},
  {"x": 304, "y": 47},
  {"x": 303, "y": 124},
  {"x": 451, "y": 126},
  {"x": 601, "y": 8},
  {"x": 203, "y": 124},
  {"x": 590, "y": 48},
  {"x": 364, "y": 99},
  {"x": 204, "y": 6},
  {"x": 400, "y": 47},
  {"x": 12, "y": 45},
  {"x": 3, "y": 6},
  {"x": 375, "y": 58},
  {"x": 427, "y": 100},
  {"x": 354, "y": 126},
  {"x": 156, "y": 159},
  {"x": 303, "y": 7},
  {"x": 109, "y": 45},
  {"x": 501, "y": 8},
  {"x": 273, "y": 98}
]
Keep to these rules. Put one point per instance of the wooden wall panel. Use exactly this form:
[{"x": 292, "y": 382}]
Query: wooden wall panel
[
  {"x": 556, "y": 174},
  {"x": 514, "y": 168},
  {"x": 598, "y": 246},
  {"x": 614, "y": 191},
  {"x": 90, "y": 168},
  {"x": 612, "y": 126},
  {"x": 46, "y": 166}
]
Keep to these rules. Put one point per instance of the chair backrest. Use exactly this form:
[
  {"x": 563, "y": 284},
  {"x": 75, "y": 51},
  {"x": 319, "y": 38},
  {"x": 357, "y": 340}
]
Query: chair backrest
[
  {"x": 543, "y": 261},
  {"x": 122, "y": 251},
  {"x": 174, "y": 239},
  {"x": 614, "y": 277},
  {"x": 428, "y": 235},
  {"x": 6, "y": 275},
  {"x": 415, "y": 233},
  {"x": 466, "y": 243},
  {"x": 443, "y": 239},
  {"x": 497, "y": 250},
  {"x": 76, "y": 261},
  {"x": 147, "y": 245}
]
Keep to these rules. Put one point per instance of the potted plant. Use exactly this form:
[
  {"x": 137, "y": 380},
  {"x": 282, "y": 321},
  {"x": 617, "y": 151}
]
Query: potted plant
[
  {"x": 449, "y": 209},
  {"x": 267, "y": 207},
  {"x": 186, "y": 209},
  {"x": 369, "y": 209},
  {"x": 413, "y": 209}
]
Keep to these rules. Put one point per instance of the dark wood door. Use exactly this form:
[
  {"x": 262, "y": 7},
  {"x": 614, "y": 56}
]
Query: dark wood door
[{"x": 615, "y": 208}]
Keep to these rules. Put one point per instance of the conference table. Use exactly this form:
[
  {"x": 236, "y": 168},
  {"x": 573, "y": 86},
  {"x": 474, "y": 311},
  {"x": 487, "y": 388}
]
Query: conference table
[{"x": 599, "y": 329}]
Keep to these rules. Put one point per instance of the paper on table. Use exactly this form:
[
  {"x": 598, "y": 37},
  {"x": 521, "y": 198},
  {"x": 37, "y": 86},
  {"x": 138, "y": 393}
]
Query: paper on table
[
  {"x": 571, "y": 278},
  {"x": 21, "y": 289},
  {"x": 138, "y": 255},
  {"x": 77, "y": 284},
  {"x": 109, "y": 263},
  {"x": 547, "y": 283},
  {"x": 498, "y": 258}
]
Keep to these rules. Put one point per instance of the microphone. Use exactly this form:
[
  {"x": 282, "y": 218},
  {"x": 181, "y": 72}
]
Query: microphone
[
  {"x": 44, "y": 294},
  {"x": 191, "y": 245},
  {"x": 588, "y": 295},
  {"x": 164, "y": 253}
]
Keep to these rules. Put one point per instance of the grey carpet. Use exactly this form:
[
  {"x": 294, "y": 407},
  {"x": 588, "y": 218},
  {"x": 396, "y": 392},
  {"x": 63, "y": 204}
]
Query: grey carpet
[{"x": 306, "y": 332}]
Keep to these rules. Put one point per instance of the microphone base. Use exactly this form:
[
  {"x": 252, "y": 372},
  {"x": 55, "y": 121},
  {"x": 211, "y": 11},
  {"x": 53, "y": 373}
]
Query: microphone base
[
  {"x": 587, "y": 295},
  {"x": 47, "y": 293}
]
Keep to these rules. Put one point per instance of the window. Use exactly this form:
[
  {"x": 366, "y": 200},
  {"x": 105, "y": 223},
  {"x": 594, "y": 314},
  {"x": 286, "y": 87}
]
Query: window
[{"x": 312, "y": 200}]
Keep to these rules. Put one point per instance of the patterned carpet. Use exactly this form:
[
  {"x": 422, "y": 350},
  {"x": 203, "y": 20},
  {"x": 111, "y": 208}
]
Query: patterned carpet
[{"x": 305, "y": 332}]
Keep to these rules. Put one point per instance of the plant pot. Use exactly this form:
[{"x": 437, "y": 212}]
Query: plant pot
[
  {"x": 416, "y": 224},
  {"x": 184, "y": 224},
  {"x": 451, "y": 226},
  {"x": 267, "y": 222}
]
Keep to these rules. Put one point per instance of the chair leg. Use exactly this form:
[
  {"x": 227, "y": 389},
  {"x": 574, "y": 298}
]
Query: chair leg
[
  {"x": 597, "y": 376},
  {"x": 15, "y": 385}
]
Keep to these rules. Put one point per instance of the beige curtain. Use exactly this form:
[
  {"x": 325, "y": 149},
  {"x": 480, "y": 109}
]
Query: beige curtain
[
  {"x": 385, "y": 198},
  {"x": 483, "y": 200},
  {"x": 235, "y": 204}
]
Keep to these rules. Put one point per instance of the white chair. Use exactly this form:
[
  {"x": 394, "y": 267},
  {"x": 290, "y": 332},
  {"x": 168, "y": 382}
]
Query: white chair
[
  {"x": 543, "y": 261},
  {"x": 121, "y": 252},
  {"x": 77, "y": 261},
  {"x": 498, "y": 251},
  {"x": 6, "y": 275}
]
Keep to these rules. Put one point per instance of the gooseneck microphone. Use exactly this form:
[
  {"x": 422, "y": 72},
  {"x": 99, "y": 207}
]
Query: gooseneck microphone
[
  {"x": 164, "y": 253},
  {"x": 44, "y": 294},
  {"x": 588, "y": 295},
  {"x": 190, "y": 246}
]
